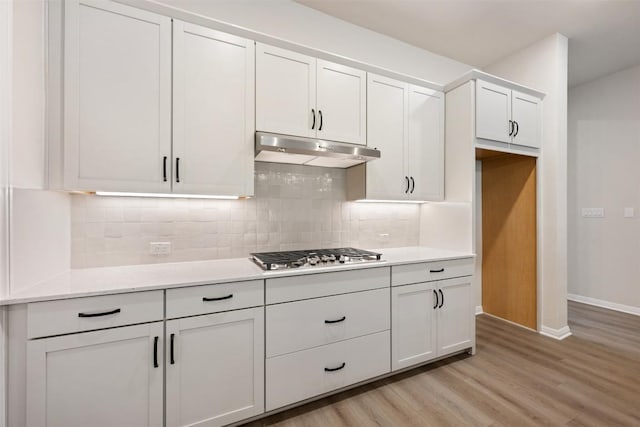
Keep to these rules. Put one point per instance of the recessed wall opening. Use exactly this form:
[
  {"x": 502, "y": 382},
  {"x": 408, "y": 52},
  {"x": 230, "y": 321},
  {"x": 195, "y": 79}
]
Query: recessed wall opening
[{"x": 509, "y": 230}]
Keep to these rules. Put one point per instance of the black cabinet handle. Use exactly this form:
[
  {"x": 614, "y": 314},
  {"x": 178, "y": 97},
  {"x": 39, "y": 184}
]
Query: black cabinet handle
[
  {"x": 406, "y": 190},
  {"x": 436, "y": 295},
  {"x": 320, "y": 113},
  {"x": 218, "y": 298},
  {"x": 155, "y": 351},
  {"x": 313, "y": 112},
  {"x": 413, "y": 185},
  {"x": 510, "y": 127},
  {"x": 335, "y": 369},
  {"x": 177, "y": 169},
  {"x": 164, "y": 169},
  {"x": 171, "y": 355},
  {"x": 336, "y": 321},
  {"x": 101, "y": 313},
  {"x": 441, "y": 298},
  {"x": 517, "y": 129},
  {"x": 437, "y": 271}
]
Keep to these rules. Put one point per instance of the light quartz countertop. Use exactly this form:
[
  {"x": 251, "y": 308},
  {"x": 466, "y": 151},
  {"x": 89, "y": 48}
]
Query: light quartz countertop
[{"x": 135, "y": 278}]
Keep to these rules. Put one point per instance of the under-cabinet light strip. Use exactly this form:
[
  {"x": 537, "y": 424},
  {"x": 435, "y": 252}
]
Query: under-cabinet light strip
[
  {"x": 165, "y": 195},
  {"x": 390, "y": 201}
]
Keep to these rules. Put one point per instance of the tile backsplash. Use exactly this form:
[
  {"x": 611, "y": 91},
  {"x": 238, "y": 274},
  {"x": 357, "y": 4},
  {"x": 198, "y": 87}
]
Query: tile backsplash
[{"x": 295, "y": 207}]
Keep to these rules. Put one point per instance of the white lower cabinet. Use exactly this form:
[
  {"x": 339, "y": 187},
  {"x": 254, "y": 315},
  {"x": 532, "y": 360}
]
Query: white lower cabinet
[
  {"x": 301, "y": 375},
  {"x": 110, "y": 378},
  {"x": 430, "y": 319},
  {"x": 215, "y": 368},
  {"x": 414, "y": 324}
]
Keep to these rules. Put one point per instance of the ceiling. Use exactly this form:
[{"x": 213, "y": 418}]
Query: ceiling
[{"x": 604, "y": 35}]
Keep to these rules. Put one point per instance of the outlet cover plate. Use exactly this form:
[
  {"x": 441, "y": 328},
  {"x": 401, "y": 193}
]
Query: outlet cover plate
[
  {"x": 160, "y": 248},
  {"x": 593, "y": 212}
]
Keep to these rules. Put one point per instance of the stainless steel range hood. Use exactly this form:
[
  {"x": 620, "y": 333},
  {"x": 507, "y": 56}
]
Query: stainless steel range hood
[{"x": 276, "y": 148}]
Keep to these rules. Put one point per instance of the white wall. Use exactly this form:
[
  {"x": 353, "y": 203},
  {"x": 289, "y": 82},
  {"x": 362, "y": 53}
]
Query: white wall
[
  {"x": 604, "y": 150},
  {"x": 543, "y": 66},
  {"x": 302, "y": 25},
  {"x": 5, "y": 135}
]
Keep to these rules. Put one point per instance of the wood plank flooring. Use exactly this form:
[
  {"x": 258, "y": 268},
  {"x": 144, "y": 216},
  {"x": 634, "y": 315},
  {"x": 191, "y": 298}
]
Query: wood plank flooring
[{"x": 517, "y": 378}]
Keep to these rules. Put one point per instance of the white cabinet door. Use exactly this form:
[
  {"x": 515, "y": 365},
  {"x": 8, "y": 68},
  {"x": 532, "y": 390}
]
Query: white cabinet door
[
  {"x": 425, "y": 153},
  {"x": 526, "y": 115},
  {"x": 105, "y": 378},
  {"x": 285, "y": 92},
  {"x": 342, "y": 103},
  {"x": 117, "y": 97},
  {"x": 493, "y": 112},
  {"x": 215, "y": 375},
  {"x": 413, "y": 320},
  {"x": 387, "y": 130},
  {"x": 455, "y": 315},
  {"x": 213, "y": 113}
]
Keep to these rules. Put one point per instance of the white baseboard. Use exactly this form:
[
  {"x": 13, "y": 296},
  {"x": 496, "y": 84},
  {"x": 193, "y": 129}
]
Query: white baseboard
[
  {"x": 604, "y": 304},
  {"x": 479, "y": 309},
  {"x": 558, "y": 334}
]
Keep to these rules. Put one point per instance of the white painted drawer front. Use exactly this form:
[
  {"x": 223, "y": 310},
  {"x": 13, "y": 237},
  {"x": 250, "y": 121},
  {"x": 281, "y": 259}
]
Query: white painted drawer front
[
  {"x": 427, "y": 271},
  {"x": 307, "y": 286},
  {"x": 300, "y": 325},
  {"x": 84, "y": 314},
  {"x": 214, "y": 298},
  {"x": 298, "y": 376}
]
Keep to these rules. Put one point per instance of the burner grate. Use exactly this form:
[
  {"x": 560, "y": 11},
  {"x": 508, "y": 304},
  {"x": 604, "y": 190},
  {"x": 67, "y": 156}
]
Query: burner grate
[{"x": 299, "y": 258}]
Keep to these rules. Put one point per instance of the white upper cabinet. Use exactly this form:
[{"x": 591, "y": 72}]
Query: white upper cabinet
[
  {"x": 342, "y": 103},
  {"x": 304, "y": 96},
  {"x": 213, "y": 114},
  {"x": 285, "y": 92},
  {"x": 117, "y": 90},
  {"x": 526, "y": 115},
  {"x": 406, "y": 123},
  {"x": 387, "y": 102},
  {"x": 493, "y": 112},
  {"x": 425, "y": 153},
  {"x": 124, "y": 82},
  {"x": 506, "y": 115}
]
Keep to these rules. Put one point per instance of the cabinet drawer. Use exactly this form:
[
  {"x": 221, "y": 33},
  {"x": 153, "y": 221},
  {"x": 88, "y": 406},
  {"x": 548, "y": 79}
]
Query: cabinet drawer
[
  {"x": 302, "y": 375},
  {"x": 428, "y": 271},
  {"x": 299, "y": 325},
  {"x": 284, "y": 289},
  {"x": 84, "y": 314},
  {"x": 214, "y": 298}
]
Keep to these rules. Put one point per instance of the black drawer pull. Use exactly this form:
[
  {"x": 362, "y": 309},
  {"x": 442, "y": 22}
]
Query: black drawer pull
[
  {"x": 441, "y": 298},
  {"x": 335, "y": 369},
  {"x": 337, "y": 320},
  {"x": 218, "y": 298},
  {"x": 100, "y": 313},
  {"x": 155, "y": 352},
  {"x": 171, "y": 352},
  {"x": 436, "y": 294},
  {"x": 437, "y": 271}
]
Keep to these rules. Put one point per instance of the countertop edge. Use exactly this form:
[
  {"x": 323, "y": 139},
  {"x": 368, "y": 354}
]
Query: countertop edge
[{"x": 31, "y": 295}]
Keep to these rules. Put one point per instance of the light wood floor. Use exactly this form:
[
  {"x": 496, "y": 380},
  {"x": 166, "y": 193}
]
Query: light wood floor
[{"x": 517, "y": 378}]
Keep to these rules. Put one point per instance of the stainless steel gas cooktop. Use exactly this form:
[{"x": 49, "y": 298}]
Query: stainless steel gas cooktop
[{"x": 311, "y": 258}]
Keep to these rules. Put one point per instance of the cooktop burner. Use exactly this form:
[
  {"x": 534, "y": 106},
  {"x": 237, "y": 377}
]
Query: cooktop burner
[{"x": 314, "y": 257}]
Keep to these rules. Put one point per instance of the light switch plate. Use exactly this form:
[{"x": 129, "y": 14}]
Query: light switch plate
[
  {"x": 160, "y": 248},
  {"x": 629, "y": 212},
  {"x": 593, "y": 212}
]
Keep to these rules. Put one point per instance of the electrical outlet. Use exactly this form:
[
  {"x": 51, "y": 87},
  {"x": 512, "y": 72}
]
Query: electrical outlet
[
  {"x": 160, "y": 248},
  {"x": 629, "y": 212},
  {"x": 593, "y": 212}
]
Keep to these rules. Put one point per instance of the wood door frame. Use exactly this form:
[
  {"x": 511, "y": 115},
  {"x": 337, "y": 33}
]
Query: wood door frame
[{"x": 507, "y": 164}]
